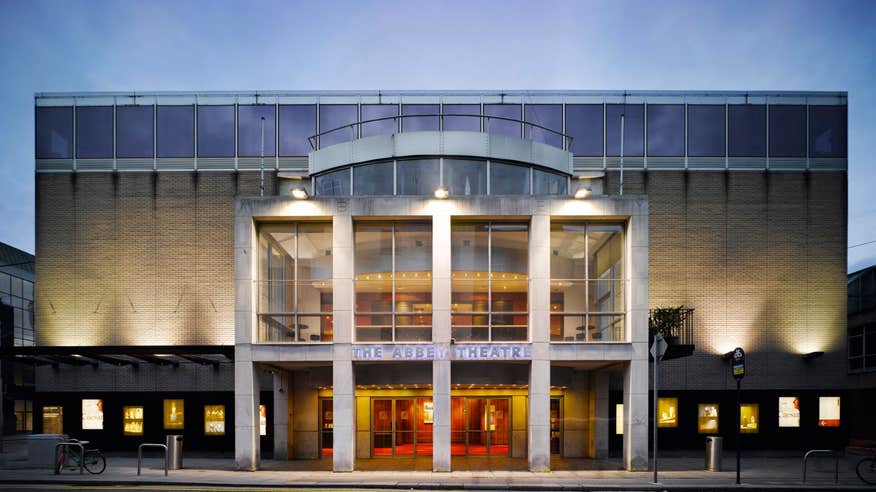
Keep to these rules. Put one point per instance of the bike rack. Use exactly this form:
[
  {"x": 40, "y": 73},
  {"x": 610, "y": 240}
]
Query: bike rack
[
  {"x": 81, "y": 455},
  {"x": 150, "y": 445},
  {"x": 836, "y": 457}
]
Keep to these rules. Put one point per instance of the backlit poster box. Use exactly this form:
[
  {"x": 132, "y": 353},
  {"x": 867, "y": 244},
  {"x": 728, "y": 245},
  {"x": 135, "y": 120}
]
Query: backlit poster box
[
  {"x": 749, "y": 418},
  {"x": 619, "y": 419},
  {"x": 132, "y": 421},
  {"x": 53, "y": 420},
  {"x": 667, "y": 412},
  {"x": 92, "y": 414},
  {"x": 707, "y": 418},
  {"x": 263, "y": 420},
  {"x": 829, "y": 411},
  {"x": 214, "y": 420},
  {"x": 173, "y": 414},
  {"x": 789, "y": 411}
]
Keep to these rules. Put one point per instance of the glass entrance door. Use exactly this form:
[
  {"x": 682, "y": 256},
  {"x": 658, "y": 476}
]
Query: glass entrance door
[
  {"x": 326, "y": 428},
  {"x": 402, "y": 427},
  {"x": 556, "y": 426},
  {"x": 480, "y": 426}
]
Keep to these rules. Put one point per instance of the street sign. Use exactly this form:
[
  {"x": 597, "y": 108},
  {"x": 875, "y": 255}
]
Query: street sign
[
  {"x": 658, "y": 348},
  {"x": 737, "y": 363}
]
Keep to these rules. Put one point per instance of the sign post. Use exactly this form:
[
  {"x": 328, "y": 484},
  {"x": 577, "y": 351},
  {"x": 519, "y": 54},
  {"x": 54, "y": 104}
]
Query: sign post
[
  {"x": 737, "y": 369},
  {"x": 658, "y": 348}
]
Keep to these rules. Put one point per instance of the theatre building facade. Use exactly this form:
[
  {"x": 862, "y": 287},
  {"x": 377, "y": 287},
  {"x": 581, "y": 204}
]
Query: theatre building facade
[{"x": 443, "y": 276}]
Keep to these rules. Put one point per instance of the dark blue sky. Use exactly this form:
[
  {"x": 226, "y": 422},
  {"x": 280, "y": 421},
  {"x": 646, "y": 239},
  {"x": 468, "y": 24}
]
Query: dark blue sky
[{"x": 215, "y": 45}]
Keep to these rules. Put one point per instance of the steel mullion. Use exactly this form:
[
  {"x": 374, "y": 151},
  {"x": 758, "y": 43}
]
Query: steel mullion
[
  {"x": 392, "y": 295},
  {"x": 489, "y": 281},
  {"x": 295, "y": 283},
  {"x": 586, "y": 282}
]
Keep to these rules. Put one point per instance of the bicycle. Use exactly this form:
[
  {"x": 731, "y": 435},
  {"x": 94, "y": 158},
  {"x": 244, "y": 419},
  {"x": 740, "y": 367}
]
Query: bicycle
[
  {"x": 866, "y": 470},
  {"x": 93, "y": 460}
]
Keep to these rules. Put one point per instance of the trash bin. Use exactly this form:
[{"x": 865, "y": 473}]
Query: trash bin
[
  {"x": 714, "y": 446},
  {"x": 174, "y": 452}
]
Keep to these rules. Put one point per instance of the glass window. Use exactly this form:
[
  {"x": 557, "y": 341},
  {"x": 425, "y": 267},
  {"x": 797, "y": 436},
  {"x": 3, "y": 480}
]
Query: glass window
[
  {"x": 828, "y": 131},
  {"x": 549, "y": 116},
  {"x": 173, "y": 414},
  {"x": 465, "y": 177},
  {"x": 132, "y": 421},
  {"x": 134, "y": 132},
  {"x": 393, "y": 281},
  {"x": 423, "y": 123},
  {"x": 382, "y": 127},
  {"x": 787, "y": 131},
  {"x": 333, "y": 116},
  {"x": 584, "y": 125},
  {"x": 707, "y": 418},
  {"x": 548, "y": 183},
  {"x": 462, "y": 123},
  {"x": 749, "y": 418},
  {"x": 5, "y": 283},
  {"x": 373, "y": 179},
  {"x": 92, "y": 414},
  {"x": 789, "y": 411},
  {"x": 489, "y": 281},
  {"x": 335, "y": 183},
  {"x": 587, "y": 286},
  {"x": 705, "y": 130},
  {"x": 667, "y": 412},
  {"x": 297, "y": 123},
  {"x": 295, "y": 282},
  {"x": 828, "y": 411},
  {"x": 54, "y": 132},
  {"x": 94, "y": 132},
  {"x": 249, "y": 126},
  {"x": 214, "y": 420},
  {"x": 216, "y": 131},
  {"x": 746, "y": 130},
  {"x": 176, "y": 131},
  {"x": 23, "y": 415},
  {"x": 508, "y": 179},
  {"x": 27, "y": 289},
  {"x": 502, "y": 127},
  {"x": 634, "y": 129},
  {"x": 418, "y": 176},
  {"x": 665, "y": 130}
]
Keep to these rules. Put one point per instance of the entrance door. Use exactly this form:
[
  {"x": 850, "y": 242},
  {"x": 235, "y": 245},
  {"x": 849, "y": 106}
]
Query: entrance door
[
  {"x": 402, "y": 427},
  {"x": 480, "y": 426},
  {"x": 326, "y": 428}
]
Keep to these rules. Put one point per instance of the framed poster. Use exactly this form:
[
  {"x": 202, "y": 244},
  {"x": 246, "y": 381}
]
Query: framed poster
[
  {"x": 214, "y": 420},
  {"x": 707, "y": 418},
  {"x": 619, "y": 419},
  {"x": 132, "y": 421},
  {"x": 428, "y": 412},
  {"x": 174, "y": 414},
  {"x": 667, "y": 412},
  {"x": 828, "y": 411},
  {"x": 92, "y": 414},
  {"x": 263, "y": 420},
  {"x": 53, "y": 420},
  {"x": 789, "y": 411},
  {"x": 749, "y": 418}
]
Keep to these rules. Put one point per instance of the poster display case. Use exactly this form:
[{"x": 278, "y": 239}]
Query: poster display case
[
  {"x": 174, "y": 416},
  {"x": 749, "y": 418},
  {"x": 92, "y": 414},
  {"x": 619, "y": 419},
  {"x": 828, "y": 411},
  {"x": 667, "y": 412},
  {"x": 707, "y": 418},
  {"x": 132, "y": 420},
  {"x": 263, "y": 420},
  {"x": 53, "y": 420},
  {"x": 214, "y": 420},
  {"x": 789, "y": 411}
]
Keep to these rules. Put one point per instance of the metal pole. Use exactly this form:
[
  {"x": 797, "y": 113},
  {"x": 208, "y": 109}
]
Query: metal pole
[
  {"x": 262, "y": 158},
  {"x": 738, "y": 419},
  {"x": 654, "y": 403},
  {"x": 622, "y": 151}
]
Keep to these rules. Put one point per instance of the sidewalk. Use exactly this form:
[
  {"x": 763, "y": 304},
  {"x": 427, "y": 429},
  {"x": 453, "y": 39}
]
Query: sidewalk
[{"x": 774, "y": 473}]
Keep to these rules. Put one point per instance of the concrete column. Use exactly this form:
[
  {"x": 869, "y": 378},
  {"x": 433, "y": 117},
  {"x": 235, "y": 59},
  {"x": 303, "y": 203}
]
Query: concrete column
[
  {"x": 343, "y": 385},
  {"x": 635, "y": 447},
  {"x": 281, "y": 416},
  {"x": 441, "y": 279},
  {"x": 576, "y": 409},
  {"x": 246, "y": 414},
  {"x": 599, "y": 421},
  {"x": 344, "y": 409},
  {"x": 539, "y": 431},
  {"x": 305, "y": 417}
]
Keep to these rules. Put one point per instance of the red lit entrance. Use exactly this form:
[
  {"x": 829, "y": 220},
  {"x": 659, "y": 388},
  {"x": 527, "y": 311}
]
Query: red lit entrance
[
  {"x": 480, "y": 426},
  {"x": 402, "y": 427}
]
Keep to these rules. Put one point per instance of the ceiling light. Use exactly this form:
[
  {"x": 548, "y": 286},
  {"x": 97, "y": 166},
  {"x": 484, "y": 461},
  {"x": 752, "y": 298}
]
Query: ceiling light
[
  {"x": 582, "y": 193},
  {"x": 812, "y": 355},
  {"x": 442, "y": 193},
  {"x": 300, "y": 194}
]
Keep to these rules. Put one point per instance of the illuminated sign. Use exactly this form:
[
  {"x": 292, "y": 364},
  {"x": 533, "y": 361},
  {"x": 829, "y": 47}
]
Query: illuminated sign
[
  {"x": 424, "y": 352},
  {"x": 789, "y": 411},
  {"x": 173, "y": 414},
  {"x": 263, "y": 420},
  {"x": 92, "y": 414},
  {"x": 828, "y": 411}
]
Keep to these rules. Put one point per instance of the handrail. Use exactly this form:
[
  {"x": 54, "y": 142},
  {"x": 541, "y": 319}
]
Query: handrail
[
  {"x": 823, "y": 451},
  {"x": 154, "y": 445},
  {"x": 313, "y": 139},
  {"x": 81, "y": 455}
]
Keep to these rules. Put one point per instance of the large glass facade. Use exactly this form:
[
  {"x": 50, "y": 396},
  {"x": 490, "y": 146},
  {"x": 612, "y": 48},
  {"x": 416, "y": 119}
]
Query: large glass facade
[
  {"x": 18, "y": 293},
  {"x": 549, "y": 116},
  {"x": 296, "y": 124},
  {"x": 135, "y": 128},
  {"x": 828, "y": 131},
  {"x": 633, "y": 129},
  {"x": 393, "y": 281},
  {"x": 587, "y": 300},
  {"x": 464, "y": 177},
  {"x": 94, "y": 132},
  {"x": 334, "y": 116},
  {"x": 461, "y": 122},
  {"x": 249, "y": 130},
  {"x": 176, "y": 131},
  {"x": 382, "y": 126},
  {"x": 489, "y": 293},
  {"x": 216, "y": 131},
  {"x": 665, "y": 130},
  {"x": 787, "y": 129},
  {"x": 705, "y": 130},
  {"x": 502, "y": 126},
  {"x": 295, "y": 283},
  {"x": 412, "y": 123},
  {"x": 584, "y": 124},
  {"x": 746, "y": 130},
  {"x": 54, "y": 132}
]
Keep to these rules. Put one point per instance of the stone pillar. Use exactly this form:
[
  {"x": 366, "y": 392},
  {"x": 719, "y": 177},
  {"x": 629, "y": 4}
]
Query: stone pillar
[
  {"x": 635, "y": 448},
  {"x": 599, "y": 420},
  {"x": 246, "y": 413},
  {"x": 539, "y": 424},
  {"x": 281, "y": 416},
  {"x": 441, "y": 274},
  {"x": 343, "y": 384}
]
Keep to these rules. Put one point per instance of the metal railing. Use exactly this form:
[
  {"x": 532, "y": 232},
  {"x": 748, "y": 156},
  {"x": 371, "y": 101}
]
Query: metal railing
[
  {"x": 836, "y": 457},
  {"x": 355, "y": 132},
  {"x": 150, "y": 445},
  {"x": 78, "y": 444}
]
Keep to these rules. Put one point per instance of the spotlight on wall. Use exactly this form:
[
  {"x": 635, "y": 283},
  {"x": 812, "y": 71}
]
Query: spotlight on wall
[
  {"x": 442, "y": 193},
  {"x": 582, "y": 193},
  {"x": 812, "y": 355},
  {"x": 300, "y": 193}
]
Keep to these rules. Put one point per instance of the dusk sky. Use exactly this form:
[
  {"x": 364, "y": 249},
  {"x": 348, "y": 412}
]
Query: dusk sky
[{"x": 320, "y": 45}]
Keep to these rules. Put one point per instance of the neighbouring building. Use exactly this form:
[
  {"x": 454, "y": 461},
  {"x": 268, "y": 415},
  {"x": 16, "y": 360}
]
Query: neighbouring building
[
  {"x": 442, "y": 275},
  {"x": 16, "y": 330},
  {"x": 862, "y": 354}
]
